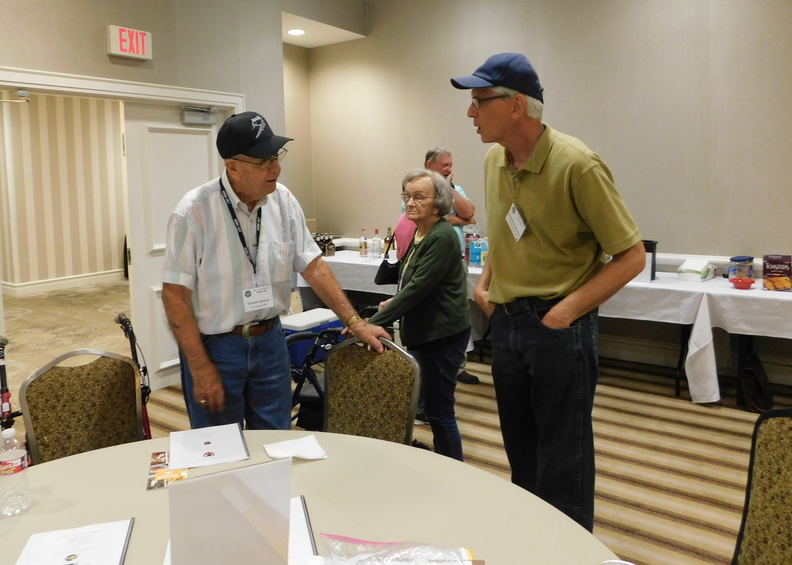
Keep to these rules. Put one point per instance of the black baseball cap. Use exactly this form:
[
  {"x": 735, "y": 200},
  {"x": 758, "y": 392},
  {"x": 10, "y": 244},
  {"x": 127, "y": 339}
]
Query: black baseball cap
[
  {"x": 248, "y": 134},
  {"x": 511, "y": 70}
]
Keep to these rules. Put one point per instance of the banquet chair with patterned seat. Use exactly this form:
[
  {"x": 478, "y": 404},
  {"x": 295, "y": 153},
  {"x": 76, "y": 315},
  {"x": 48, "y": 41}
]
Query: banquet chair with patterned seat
[
  {"x": 766, "y": 531},
  {"x": 82, "y": 400},
  {"x": 371, "y": 394}
]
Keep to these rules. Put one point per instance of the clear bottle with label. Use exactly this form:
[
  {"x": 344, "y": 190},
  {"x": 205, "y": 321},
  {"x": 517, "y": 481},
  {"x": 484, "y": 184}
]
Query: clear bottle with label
[
  {"x": 741, "y": 267},
  {"x": 484, "y": 250},
  {"x": 363, "y": 243},
  {"x": 14, "y": 490},
  {"x": 470, "y": 232},
  {"x": 375, "y": 246},
  {"x": 475, "y": 252}
]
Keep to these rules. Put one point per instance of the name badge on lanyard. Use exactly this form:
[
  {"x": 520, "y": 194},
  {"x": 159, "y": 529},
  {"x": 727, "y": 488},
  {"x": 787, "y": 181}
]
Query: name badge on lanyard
[
  {"x": 257, "y": 298},
  {"x": 516, "y": 222}
]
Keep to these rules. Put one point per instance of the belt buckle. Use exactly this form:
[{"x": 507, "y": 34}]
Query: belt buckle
[{"x": 246, "y": 330}]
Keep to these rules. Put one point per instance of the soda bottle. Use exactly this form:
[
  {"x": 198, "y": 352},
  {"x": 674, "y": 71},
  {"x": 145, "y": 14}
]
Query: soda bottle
[
  {"x": 14, "y": 490},
  {"x": 363, "y": 243}
]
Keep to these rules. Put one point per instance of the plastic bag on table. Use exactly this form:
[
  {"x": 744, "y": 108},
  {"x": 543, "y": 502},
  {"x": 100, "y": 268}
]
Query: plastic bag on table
[{"x": 345, "y": 551}]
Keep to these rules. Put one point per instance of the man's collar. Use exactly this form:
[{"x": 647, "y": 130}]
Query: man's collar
[
  {"x": 232, "y": 195},
  {"x": 539, "y": 156}
]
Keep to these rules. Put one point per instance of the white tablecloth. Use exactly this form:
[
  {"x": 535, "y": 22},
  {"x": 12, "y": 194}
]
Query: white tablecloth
[{"x": 704, "y": 305}]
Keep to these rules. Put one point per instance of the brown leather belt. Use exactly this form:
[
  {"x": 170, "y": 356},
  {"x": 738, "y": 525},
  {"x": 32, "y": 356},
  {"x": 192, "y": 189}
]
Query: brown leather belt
[{"x": 255, "y": 329}]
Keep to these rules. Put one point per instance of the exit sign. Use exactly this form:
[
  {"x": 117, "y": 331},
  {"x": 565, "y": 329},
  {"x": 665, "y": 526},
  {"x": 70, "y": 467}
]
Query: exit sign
[{"x": 132, "y": 43}]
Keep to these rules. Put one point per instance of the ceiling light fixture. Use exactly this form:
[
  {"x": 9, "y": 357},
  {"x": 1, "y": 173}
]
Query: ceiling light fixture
[{"x": 296, "y": 32}]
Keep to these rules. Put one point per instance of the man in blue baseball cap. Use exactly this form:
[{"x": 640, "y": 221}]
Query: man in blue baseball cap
[{"x": 553, "y": 213}]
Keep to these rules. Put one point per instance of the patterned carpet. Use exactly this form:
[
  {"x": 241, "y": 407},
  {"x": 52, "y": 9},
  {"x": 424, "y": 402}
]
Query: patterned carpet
[{"x": 670, "y": 474}]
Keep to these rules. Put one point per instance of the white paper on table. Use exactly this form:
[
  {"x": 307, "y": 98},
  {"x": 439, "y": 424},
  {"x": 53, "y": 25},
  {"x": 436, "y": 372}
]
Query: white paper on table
[
  {"x": 304, "y": 448},
  {"x": 97, "y": 544},
  {"x": 207, "y": 446},
  {"x": 302, "y": 544}
]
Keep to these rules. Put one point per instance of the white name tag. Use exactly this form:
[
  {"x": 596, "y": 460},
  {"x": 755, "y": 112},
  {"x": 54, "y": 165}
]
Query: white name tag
[
  {"x": 257, "y": 298},
  {"x": 516, "y": 222}
]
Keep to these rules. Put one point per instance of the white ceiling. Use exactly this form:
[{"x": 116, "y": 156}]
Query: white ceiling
[{"x": 316, "y": 34}]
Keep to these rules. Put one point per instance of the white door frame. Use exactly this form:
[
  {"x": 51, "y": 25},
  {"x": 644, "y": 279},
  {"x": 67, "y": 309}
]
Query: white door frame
[
  {"x": 45, "y": 81},
  {"x": 60, "y": 83}
]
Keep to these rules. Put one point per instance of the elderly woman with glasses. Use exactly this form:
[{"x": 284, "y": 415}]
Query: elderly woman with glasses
[{"x": 432, "y": 303}]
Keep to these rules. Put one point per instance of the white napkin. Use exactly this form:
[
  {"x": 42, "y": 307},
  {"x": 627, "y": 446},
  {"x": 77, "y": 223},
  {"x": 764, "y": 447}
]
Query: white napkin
[{"x": 305, "y": 448}]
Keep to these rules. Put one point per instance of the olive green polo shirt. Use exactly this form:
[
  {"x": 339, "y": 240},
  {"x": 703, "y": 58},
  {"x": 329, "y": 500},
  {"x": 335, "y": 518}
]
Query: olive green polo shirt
[{"x": 573, "y": 212}]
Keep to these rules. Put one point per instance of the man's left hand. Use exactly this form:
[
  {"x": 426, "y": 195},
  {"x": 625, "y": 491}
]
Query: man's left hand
[
  {"x": 370, "y": 334},
  {"x": 555, "y": 319}
]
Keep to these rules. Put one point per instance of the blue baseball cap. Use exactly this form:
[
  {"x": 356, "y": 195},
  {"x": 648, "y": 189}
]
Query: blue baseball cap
[{"x": 511, "y": 70}]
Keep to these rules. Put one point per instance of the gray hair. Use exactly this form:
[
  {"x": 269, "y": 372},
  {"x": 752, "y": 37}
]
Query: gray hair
[
  {"x": 444, "y": 194},
  {"x": 436, "y": 152},
  {"x": 533, "y": 107}
]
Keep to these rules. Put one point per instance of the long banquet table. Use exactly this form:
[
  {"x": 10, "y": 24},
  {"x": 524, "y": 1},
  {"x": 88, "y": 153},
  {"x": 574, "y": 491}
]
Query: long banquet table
[{"x": 700, "y": 305}]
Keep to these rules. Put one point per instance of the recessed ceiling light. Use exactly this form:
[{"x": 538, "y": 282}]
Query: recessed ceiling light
[{"x": 296, "y": 32}]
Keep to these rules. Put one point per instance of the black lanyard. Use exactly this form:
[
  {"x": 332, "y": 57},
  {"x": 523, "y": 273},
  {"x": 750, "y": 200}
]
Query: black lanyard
[{"x": 239, "y": 226}]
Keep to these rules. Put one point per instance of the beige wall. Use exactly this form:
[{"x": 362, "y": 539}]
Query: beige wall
[
  {"x": 61, "y": 189},
  {"x": 688, "y": 102},
  {"x": 298, "y": 172}
]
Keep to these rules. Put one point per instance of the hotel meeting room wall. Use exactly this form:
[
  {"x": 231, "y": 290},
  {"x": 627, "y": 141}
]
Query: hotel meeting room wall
[{"x": 687, "y": 102}]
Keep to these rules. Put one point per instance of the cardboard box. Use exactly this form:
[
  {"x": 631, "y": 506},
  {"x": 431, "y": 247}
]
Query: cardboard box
[{"x": 777, "y": 272}]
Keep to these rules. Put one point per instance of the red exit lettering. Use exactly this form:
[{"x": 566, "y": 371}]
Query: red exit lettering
[{"x": 132, "y": 41}]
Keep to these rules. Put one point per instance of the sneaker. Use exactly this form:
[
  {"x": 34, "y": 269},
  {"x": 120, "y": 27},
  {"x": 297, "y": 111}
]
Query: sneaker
[
  {"x": 466, "y": 378},
  {"x": 421, "y": 418}
]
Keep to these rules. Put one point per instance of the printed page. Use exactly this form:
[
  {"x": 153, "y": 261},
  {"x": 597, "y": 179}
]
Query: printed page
[{"x": 207, "y": 446}]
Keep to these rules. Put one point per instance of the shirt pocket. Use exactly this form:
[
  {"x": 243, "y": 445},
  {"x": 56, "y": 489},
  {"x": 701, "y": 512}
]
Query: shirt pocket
[{"x": 283, "y": 255}]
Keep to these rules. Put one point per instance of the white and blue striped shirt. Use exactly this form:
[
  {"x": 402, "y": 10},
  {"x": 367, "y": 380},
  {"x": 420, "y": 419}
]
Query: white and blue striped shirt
[{"x": 204, "y": 253}]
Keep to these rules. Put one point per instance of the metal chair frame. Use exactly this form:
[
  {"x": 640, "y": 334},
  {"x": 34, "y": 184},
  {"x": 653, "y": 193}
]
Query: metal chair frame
[{"x": 30, "y": 428}]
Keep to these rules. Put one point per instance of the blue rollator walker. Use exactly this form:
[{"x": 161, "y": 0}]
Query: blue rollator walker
[{"x": 305, "y": 361}]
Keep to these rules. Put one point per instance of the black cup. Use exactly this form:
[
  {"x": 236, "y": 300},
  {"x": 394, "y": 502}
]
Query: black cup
[{"x": 651, "y": 247}]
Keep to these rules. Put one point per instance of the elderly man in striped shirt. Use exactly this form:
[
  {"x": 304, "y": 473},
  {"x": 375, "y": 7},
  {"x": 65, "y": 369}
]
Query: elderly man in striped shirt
[{"x": 232, "y": 247}]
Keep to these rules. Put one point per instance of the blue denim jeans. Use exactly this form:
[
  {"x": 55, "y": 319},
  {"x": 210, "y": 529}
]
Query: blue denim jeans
[
  {"x": 439, "y": 361},
  {"x": 256, "y": 377},
  {"x": 544, "y": 384}
]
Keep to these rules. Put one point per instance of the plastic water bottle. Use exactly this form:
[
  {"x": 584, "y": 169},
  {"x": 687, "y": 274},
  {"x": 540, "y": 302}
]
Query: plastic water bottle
[
  {"x": 470, "y": 232},
  {"x": 375, "y": 246},
  {"x": 484, "y": 250},
  {"x": 475, "y": 252},
  {"x": 14, "y": 490}
]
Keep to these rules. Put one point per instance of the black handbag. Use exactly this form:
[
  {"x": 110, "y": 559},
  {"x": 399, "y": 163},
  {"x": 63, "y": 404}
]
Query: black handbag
[{"x": 387, "y": 273}]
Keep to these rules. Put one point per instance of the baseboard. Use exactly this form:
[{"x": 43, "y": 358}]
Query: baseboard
[
  {"x": 37, "y": 287},
  {"x": 663, "y": 354},
  {"x": 648, "y": 352}
]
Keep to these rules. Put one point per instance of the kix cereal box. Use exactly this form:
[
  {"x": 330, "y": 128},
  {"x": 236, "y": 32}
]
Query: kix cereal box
[{"x": 777, "y": 272}]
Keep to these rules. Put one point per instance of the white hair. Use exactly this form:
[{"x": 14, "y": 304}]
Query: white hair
[{"x": 533, "y": 107}]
